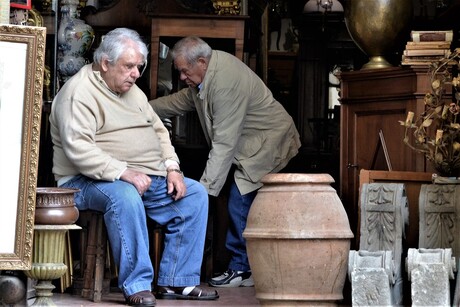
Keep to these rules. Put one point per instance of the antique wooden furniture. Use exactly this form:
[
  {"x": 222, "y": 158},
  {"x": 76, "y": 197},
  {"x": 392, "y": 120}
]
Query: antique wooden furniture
[
  {"x": 204, "y": 26},
  {"x": 374, "y": 101},
  {"x": 93, "y": 254},
  {"x": 96, "y": 264}
]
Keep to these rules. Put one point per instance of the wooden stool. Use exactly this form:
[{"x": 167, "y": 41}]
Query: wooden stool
[
  {"x": 157, "y": 242},
  {"x": 94, "y": 252}
]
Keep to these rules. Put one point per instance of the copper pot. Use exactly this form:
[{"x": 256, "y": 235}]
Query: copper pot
[{"x": 55, "y": 206}]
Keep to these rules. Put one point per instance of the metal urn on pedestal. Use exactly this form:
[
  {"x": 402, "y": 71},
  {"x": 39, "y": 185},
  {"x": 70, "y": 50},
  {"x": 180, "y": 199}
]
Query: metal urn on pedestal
[
  {"x": 298, "y": 240},
  {"x": 55, "y": 216},
  {"x": 377, "y": 27}
]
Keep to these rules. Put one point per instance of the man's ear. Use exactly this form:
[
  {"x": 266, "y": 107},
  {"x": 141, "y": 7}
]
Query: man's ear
[
  {"x": 203, "y": 62},
  {"x": 105, "y": 64}
]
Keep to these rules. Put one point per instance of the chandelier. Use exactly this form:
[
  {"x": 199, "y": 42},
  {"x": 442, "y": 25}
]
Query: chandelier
[{"x": 325, "y": 4}]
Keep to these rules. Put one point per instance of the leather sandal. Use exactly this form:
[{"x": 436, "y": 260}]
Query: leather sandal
[
  {"x": 182, "y": 293},
  {"x": 142, "y": 298}
]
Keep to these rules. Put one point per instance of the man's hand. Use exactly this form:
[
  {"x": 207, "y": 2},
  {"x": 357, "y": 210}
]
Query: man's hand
[
  {"x": 176, "y": 185},
  {"x": 140, "y": 180}
]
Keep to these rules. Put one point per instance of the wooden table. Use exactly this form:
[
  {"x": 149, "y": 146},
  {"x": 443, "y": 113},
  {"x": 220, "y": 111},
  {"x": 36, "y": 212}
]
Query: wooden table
[{"x": 204, "y": 26}]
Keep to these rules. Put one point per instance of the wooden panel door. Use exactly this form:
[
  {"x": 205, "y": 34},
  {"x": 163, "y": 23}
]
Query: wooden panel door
[{"x": 374, "y": 101}]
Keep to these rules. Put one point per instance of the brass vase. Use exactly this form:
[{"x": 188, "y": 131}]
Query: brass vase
[{"x": 377, "y": 27}]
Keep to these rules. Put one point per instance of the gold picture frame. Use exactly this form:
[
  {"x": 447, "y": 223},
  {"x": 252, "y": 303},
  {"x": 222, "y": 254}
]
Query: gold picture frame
[{"x": 22, "y": 56}]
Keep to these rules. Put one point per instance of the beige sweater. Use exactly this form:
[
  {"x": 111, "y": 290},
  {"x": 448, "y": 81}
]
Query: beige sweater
[{"x": 98, "y": 133}]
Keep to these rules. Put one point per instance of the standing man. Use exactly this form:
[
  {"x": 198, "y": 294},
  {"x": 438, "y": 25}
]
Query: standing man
[
  {"x": 109, "y": 144},
  {"x": 244, "y": 126}
]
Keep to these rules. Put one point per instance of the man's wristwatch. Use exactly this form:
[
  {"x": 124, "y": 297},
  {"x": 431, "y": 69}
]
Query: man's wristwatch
[{"x": 175, "y": 170}]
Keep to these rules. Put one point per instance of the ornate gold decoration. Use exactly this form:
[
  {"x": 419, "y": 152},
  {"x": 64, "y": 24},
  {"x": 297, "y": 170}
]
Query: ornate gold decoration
[
  {"x": 34, "y": 37},
  {"x": 35, "y": 18},
  {"x": 226, "y": 7}
]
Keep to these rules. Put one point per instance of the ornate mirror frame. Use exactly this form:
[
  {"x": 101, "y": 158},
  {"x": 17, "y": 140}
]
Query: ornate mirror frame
[{"x": 22, "y": 56}]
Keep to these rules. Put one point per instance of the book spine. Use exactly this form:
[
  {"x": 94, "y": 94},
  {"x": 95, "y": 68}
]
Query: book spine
[
  {"x": 427, "y": 52},
  {"x": 422, "y": 58},
  {"x": 427, "y": 45},
  {"x": 438, "y": 36}
]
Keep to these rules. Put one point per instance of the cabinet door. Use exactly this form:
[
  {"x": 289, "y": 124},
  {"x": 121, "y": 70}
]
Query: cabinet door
[{"x": 373, "y": 102}]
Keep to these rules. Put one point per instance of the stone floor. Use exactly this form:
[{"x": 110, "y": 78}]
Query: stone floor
[{"x": 244, "y": 296}]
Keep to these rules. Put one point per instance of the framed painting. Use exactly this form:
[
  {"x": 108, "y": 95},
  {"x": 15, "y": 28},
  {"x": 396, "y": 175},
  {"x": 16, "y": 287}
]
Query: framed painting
[
  {"x": 22, "y": 56},
  {"x": 21, "y": 4}
]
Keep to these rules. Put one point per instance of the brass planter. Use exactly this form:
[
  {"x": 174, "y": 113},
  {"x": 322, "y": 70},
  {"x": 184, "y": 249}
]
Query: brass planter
[
  {"x": 55, "y": 206},
  {"x": 377, "y": 27}
]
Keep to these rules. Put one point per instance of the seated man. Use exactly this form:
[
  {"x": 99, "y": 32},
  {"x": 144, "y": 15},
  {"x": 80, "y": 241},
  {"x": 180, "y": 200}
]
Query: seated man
[{"x": 110, "y": 144}]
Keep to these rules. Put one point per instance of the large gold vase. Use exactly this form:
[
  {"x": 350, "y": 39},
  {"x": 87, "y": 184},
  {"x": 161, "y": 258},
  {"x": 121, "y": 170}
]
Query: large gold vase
[{"x": 378, "y": 27}]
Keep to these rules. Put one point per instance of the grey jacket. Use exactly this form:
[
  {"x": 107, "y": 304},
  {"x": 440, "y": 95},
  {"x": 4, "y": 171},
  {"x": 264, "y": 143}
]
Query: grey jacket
[{"x": 242, "y": 122}]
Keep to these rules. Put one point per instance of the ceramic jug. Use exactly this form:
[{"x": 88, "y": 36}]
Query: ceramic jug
[{"x": 75, "y": 38}]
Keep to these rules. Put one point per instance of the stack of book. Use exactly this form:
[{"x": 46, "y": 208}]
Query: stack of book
[{"x": 426, "y": 47}]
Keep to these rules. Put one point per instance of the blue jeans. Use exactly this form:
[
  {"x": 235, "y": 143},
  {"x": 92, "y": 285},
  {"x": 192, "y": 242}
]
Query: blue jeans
[
  {"x": 125, "y": 214},
  {"x": 238, "y": 209}
]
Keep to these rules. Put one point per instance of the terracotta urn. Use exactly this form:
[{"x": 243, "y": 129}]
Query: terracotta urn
[
  {"x": 298, "y": 240},
  {"x": 55, "y": 206}
]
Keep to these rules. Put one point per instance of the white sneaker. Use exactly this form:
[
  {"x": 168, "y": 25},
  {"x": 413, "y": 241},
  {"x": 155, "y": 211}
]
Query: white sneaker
[{"x": 233, "y": 279}]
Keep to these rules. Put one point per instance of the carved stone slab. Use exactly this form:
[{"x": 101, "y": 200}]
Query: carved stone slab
[
  {"x": 370, "y": 287},
  {"x": 429, "y": 271},
  {"x": 384, "y": 214},
  {"x": 439, "y": 217}
]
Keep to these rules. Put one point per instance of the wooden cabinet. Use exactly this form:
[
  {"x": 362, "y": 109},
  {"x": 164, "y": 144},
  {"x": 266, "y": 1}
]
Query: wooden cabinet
[
  {"x": 374, "y": 101},
  {"x": 281, "y": 78},
  {"x": 204, "y": 26}
]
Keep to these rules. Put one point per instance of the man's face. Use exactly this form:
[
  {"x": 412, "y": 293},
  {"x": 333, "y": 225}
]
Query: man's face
[
  {"x": 191, "y": 74},
  {"x": 122, "y": 75}
]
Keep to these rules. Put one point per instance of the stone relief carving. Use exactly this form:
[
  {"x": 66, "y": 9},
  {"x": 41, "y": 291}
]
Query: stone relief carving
[{"x": 438, "y": 215}]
